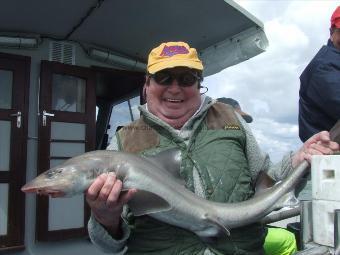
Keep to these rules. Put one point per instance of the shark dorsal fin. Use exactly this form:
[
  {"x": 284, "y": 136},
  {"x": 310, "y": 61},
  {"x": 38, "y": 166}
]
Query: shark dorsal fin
[
  {"x": 170, "y": 161},
  {"x": 144, "y": 202}
]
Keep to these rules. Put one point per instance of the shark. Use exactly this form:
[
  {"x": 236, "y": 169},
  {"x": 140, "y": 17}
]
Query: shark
[{"x": 161, "y": 193}]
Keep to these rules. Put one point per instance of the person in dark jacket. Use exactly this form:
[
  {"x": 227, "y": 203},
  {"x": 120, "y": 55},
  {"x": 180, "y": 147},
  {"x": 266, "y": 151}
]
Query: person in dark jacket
[{"x": 319, "y": 104}]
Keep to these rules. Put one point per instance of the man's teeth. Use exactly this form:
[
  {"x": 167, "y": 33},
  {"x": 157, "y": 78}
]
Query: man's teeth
[{"x": 174, "y": 100}]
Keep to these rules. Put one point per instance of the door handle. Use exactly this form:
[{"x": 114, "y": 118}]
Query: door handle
[
  {"x": 18, "y": 115},
  {"x": 46, "y": 114}
]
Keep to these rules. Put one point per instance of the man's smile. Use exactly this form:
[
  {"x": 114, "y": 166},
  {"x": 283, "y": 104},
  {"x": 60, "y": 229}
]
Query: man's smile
[{"x": 172, "y": 100}]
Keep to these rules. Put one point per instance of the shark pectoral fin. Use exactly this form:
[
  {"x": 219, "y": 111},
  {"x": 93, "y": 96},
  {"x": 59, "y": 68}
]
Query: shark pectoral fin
[
  {"x": 144, "y": 202},
  {"x": 263, "y": 182}
]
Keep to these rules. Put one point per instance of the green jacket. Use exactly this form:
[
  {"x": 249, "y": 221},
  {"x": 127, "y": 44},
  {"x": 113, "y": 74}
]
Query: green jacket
[{"x": 215, "y": 153}]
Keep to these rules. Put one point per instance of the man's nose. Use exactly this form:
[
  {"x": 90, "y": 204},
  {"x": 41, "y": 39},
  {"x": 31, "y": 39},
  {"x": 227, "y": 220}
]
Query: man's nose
[{"x": 174, "y": 86}]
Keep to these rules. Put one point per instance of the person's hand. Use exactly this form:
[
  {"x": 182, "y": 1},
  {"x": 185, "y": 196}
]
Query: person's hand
[
  {"x": 318, "y": 144},
  {"x": 106, "y": 199}
]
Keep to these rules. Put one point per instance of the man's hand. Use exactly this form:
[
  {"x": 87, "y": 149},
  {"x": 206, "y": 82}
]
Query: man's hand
[
  {"x": 106, "y": 199},
  {"x": 318, "y": 144}
]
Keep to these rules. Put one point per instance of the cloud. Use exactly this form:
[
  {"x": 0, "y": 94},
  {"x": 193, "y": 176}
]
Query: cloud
[
  {"x": 267, "y": 85},
  {"x": 276, "y": 138},
  {"x": 285, "y": 37}
]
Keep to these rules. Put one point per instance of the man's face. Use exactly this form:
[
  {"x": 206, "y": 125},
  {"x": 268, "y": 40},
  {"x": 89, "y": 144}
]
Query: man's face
[
  {"x": 335, "y": 38},
  {"x": 168, "y": 99}
]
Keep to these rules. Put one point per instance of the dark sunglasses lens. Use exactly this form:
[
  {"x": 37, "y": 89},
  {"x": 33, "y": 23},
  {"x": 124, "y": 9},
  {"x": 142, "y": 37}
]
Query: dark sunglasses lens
[
  {"x": 187, "y": 79},
  {"x": 163, "y": 78}
]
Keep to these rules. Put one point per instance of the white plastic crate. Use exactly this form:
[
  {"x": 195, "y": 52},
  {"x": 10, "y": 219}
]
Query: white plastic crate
[
  {"x": 323, "y": 221},
  {"x": 326, "y": 177}
]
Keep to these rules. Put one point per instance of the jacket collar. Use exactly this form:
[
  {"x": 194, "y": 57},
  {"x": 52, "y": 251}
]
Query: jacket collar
[{"x": 331, "y": 45}]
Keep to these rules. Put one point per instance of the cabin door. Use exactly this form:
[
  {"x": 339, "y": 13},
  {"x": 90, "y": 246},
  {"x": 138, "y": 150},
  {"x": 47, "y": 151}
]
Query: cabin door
[
  {"x": 67, "y": 110},
  {"x": 14, "y": 85}
]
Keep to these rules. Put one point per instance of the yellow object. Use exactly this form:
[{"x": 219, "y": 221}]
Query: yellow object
[
  {"x": 279, "y": 241},
  {"x": 173, "y": 54}
]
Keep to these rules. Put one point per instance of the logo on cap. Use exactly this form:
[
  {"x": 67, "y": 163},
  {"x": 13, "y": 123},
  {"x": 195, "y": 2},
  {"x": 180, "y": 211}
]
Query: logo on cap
[{"x": 169, "y": 51}]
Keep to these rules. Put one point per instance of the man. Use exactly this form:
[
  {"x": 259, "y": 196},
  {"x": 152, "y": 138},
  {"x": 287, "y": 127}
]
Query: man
[
  {"x": 319, "y": 104},
  {"x": 230, "y": 101},
  {"x": 220, "y": 161}
]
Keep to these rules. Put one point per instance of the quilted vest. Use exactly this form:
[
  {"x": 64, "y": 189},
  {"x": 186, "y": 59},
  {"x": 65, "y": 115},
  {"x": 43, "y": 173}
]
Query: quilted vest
[{"x": 216, "y": 151}]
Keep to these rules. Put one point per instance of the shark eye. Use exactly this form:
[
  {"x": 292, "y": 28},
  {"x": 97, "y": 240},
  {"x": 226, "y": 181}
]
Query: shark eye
[{"x": 54, "y": 173}]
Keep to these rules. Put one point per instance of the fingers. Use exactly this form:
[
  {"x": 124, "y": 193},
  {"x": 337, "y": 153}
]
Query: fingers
[
  {"x": 322, "y": 136},
  {"x": 322, "y": 143},
  {"x": 94, "y": 189},
  {"x": 334, "y": 146},
  {"x": 106, "y": 191},
  {"x": 114, "y": 193},
  {"x": 318, "y": 144},
  {"x": 319, "y": 149},
  {"x": 106, "y": 188},
  {"x": 110, "y": 186},
  {"x": 106, "y": 200}
]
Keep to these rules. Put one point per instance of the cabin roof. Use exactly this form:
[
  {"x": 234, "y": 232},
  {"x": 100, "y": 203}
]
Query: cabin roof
[{"x": 130, "y": 28}]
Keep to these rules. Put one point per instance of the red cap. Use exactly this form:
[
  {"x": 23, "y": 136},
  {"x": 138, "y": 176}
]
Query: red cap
[{"x": 335, "y": 19}]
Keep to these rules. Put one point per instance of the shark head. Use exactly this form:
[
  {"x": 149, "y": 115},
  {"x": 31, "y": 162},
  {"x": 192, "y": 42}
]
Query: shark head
[
  {"x": 60, "y": 181},
  {"x": 72, "y": 177}
]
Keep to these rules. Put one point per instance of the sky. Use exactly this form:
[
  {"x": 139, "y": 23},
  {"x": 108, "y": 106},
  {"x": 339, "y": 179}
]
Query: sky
[{"x": 267, "y": 86}]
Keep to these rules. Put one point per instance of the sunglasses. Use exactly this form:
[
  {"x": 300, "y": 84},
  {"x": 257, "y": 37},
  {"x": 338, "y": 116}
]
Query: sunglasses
[{"x": 184, "y": 79}]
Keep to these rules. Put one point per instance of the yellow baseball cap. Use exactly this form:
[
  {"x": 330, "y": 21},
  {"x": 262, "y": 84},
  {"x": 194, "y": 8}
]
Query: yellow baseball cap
[{"x": 173, "y": 54}]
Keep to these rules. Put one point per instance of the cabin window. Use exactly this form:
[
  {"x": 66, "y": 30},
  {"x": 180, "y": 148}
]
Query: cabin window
[
  {"x": 68, "y": 93},
  {"x": 117, "y": 99},
  {"x": 135, "y": 102},
  {"x": 61, "y": 219},
  {"x": 122, "y": 114}
]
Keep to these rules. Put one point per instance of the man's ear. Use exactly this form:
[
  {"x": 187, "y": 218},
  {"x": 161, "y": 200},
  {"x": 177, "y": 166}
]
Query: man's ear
[
  {"x": 144, "y": 93},
  {"x": 202, "y": 87},
  {"x": 147, "y": 80}
]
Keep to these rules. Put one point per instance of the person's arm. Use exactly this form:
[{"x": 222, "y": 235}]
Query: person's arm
[
  {"x": 319, "y": 144},
  {"x": 324, "y": 89},
  {"x": 106, "y": 228},
  {"x": 260, "y": 161},
  {"x": 104, "y": 241}
]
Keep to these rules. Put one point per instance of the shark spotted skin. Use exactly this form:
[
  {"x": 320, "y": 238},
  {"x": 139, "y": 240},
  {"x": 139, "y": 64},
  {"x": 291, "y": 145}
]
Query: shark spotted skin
[{"x": 160, "y": 191}]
